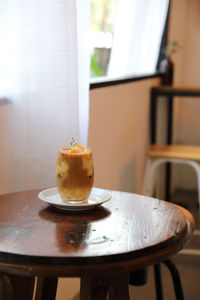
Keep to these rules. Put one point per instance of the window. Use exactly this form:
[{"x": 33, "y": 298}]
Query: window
[
  {"x": 103, "y": 16},
  {"x": 126, "y": 37}
]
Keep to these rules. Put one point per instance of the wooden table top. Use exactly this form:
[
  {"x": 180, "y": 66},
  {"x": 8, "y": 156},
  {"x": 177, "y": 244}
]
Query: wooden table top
[{"x": 130, "y": 231}]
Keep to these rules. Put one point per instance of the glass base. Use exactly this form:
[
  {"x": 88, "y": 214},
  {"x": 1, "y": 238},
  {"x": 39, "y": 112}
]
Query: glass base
[{"x": 74, "y": 201}]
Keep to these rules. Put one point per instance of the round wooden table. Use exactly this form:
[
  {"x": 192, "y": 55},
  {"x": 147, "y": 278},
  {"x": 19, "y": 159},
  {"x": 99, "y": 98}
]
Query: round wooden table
[{"x": 101, "y": 246}]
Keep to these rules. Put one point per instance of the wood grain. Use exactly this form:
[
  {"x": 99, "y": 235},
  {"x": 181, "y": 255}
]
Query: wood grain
[
  {"x": 128, "y": 232},
  {"x": 175, "y": 151}
]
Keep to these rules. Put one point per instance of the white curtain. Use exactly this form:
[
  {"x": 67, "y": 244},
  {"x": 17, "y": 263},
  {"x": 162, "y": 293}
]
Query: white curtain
[
  {"x": 137, "y": 37},
  {"x": 44, "y": 84}
]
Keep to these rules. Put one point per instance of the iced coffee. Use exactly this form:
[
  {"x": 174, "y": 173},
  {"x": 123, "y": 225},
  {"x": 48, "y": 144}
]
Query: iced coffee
[{"x": 74, "y": 173}]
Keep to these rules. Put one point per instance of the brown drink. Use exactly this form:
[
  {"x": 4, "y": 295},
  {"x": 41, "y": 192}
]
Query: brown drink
[{"x": 74, "y": 173}]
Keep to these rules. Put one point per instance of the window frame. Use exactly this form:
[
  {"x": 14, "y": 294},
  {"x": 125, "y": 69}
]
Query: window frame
[
  {"x": 105, "y": 82},
  {"x": 100, "y": 82}
]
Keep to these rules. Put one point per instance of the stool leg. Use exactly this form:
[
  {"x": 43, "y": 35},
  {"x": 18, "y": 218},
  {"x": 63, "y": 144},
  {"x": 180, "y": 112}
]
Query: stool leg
[
  {"x": 148, "y": 184},
  {"x": 176, "y": 279},
  {"x": 149, "y": 175},
  {"x": 168, "y": 182},
  {"x": 198, "y": 183},
  {"x": 158, "y": 282},
  {"x": 196, "y": 166}
]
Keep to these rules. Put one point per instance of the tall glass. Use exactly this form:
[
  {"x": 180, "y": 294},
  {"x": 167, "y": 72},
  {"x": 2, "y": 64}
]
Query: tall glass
[{"x": 74, "y": 173}]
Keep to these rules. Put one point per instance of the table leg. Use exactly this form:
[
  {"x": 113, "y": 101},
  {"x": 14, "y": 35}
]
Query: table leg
[
  {"x": 99, "y": 287},
  {"x": 46, "y": 288},
  {"x": 119, "y": 290},
  {"x": 14, "y": 287}
]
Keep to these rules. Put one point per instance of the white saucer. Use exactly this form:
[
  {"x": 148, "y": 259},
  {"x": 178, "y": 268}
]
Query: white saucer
[{"x": 97, "y": 197}]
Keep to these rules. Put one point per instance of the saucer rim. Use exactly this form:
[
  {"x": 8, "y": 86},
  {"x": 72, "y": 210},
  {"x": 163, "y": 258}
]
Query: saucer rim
[{"x": 77, "y": 206}]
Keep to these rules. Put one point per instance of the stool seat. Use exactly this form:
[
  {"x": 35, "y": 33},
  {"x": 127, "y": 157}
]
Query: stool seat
[
  {"x": 161, "y": 154},
  {"x": 175, "y": 151}
]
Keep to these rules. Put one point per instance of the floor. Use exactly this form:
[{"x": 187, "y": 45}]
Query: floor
[{"x": 187, "y": 261}]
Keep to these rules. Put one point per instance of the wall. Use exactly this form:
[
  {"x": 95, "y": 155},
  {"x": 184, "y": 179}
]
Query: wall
[
  {"x": 185, "y": 27},
  {"x": 118, "y": 134}
]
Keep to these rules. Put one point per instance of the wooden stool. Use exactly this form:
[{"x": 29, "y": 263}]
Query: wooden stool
[{"x": 159, "y": 154}]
